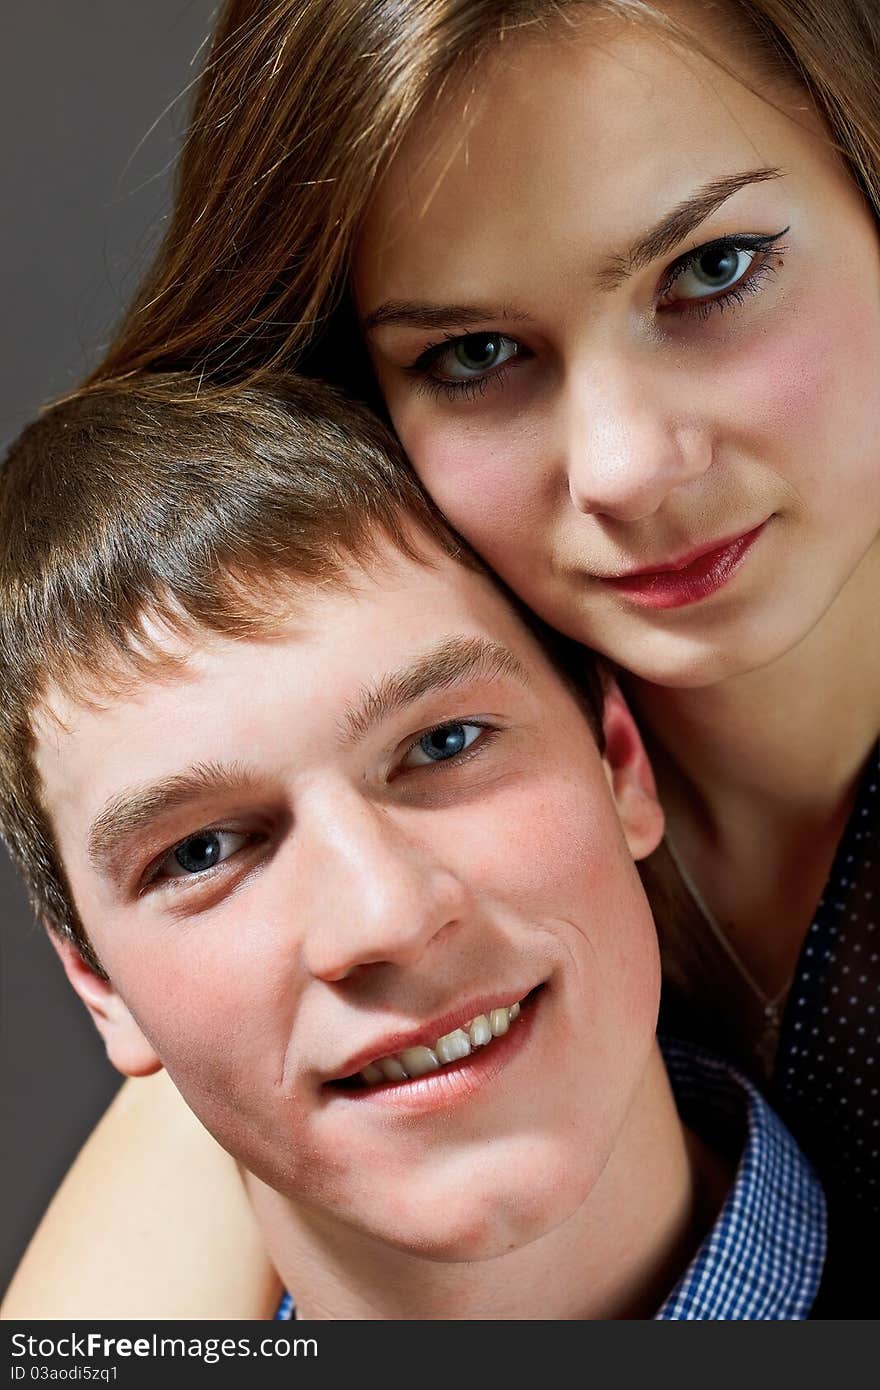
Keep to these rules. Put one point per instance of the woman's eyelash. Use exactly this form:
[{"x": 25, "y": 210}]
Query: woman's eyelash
[
  {"x": 469, "y": 388},
  {"x": 751, "y": 281},
  {"x": 702, "y": 308}
]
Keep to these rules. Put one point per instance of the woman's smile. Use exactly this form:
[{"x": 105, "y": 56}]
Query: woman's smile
[{"x": 697, "y": 576}]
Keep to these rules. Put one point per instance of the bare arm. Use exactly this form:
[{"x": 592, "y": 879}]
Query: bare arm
[{"x": 151, "y": 1221}]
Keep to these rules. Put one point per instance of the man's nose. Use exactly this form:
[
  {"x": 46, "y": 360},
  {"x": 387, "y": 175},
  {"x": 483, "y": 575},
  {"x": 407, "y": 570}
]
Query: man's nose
[
  {"x": 630, "y": 442},
  {"x": 378, "y": 894}
]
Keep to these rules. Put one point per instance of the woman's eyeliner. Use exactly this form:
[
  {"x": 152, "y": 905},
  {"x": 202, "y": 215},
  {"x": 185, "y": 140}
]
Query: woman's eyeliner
[
  {"x": 427, "y": 367},
  {"x": 756, "y": 246}
]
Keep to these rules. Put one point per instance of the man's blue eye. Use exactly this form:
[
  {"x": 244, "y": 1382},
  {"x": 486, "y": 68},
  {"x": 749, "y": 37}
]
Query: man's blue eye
[
  {"x": 440, "y": 744},
  {"x": 202, "y": 851}
]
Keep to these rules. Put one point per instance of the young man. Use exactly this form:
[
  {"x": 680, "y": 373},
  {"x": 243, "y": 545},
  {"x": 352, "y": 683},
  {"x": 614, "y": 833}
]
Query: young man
[{"x": 325, "y": 825}]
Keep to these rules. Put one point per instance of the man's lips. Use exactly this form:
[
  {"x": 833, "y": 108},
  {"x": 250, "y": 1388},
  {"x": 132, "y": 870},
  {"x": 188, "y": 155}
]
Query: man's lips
[
  {"x": 444, "y": 1088},
  {"x": 694, "y": 575},
  {"x": 426, "y": 1034}
]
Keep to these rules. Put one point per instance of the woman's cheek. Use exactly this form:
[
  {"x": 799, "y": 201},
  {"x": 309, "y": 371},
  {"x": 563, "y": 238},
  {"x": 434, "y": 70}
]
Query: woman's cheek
[
  {"x": 809, "y": 396},
  {"x": 489, "y": 481}
]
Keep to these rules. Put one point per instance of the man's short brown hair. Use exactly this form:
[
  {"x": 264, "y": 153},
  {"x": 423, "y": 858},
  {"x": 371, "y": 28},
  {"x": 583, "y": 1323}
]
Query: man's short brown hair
[{"x": 144, "y": 499}]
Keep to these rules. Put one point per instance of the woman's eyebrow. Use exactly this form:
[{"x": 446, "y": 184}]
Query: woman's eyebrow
[
  {"x": 683, "y": 219},
  {"x": 656, "y": 241},
  {"x": 415, "y": 313}
]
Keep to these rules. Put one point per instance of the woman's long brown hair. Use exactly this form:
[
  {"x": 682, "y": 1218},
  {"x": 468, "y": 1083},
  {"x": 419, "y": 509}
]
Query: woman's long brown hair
[{"x": 301, "y": 107}]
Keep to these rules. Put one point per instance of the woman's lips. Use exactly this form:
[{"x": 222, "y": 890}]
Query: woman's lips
[{"x": 675, "y": 585}]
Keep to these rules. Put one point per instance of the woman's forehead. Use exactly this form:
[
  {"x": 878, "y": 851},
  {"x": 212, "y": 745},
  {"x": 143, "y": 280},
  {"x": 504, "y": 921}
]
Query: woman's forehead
[{"x": 587, "y": 139}]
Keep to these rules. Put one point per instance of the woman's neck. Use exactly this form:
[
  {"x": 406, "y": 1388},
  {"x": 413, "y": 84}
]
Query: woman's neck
[
  {"x": 617, "y": 1256},
  {"x": 786, "y": 740},
  {"x": 758, "y": 774}
]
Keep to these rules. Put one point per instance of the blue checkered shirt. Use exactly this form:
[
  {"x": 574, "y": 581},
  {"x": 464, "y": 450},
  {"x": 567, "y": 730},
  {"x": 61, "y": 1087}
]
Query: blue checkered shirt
[{"x": 763, "y": 1258}]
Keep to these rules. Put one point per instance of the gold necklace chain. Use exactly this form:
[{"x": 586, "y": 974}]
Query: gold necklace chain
[{"x": 773, "y": 1007}]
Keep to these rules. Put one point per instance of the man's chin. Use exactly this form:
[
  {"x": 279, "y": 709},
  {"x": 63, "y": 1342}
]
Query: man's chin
[{"x": 489, "y": 1219}]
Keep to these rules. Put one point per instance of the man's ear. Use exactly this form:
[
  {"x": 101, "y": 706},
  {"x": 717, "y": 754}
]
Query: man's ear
[
  {"x": 127, "y": 1048},
  {"x": 629, "y": 776}
]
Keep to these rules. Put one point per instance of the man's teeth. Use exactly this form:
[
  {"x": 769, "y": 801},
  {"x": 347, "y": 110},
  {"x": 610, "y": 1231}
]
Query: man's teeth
[{"x": 452, "y": 1047}]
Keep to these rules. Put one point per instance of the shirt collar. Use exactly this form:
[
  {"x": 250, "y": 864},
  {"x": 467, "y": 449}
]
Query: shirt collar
[{"x": 763, "y": 1257}]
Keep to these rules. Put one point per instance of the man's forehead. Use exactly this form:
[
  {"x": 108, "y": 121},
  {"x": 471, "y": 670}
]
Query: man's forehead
[
  {"x": 166, "y": 646},
  {"x": 397, "y": 634},
  {"x": 158, "y": 648}
]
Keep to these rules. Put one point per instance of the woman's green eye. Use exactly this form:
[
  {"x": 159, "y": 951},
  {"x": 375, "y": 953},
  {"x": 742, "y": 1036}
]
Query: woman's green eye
[
  {"x": 713, "y": 270},
  {"x": 478, "y": 353},
  {"x": 474, "y": 355}
]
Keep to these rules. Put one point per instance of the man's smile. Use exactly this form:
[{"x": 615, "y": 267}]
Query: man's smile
[{"x": 449, "y": 1068}]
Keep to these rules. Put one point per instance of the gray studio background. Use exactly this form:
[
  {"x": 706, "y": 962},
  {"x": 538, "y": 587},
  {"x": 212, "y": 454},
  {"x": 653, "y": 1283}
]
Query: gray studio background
[{"x": 87, "y": 140}]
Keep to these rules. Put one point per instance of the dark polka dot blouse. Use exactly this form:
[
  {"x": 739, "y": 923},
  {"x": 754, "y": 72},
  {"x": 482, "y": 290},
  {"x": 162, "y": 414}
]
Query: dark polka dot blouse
[{"x": 825, "y": 1079}]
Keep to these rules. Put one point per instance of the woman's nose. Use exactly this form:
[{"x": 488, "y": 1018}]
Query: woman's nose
[
  {"x": 376, "y": 894},
  {"x": 628, "y": 444}
]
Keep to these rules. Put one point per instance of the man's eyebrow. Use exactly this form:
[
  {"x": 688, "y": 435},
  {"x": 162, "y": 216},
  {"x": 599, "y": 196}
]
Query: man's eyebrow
[
  {"x": 448, "y": 664},
  {"x": 414, "y": 313},
  {"x": 131, "y": 812},
  {"x": 677, "y": 224}
]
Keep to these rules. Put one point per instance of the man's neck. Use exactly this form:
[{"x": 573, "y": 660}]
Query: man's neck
[{"x": 617, "y": 1256}]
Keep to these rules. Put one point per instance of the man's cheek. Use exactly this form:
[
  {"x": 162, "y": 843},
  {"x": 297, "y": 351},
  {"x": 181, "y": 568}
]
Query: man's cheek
[
  {"x": 192, "y": 1019},
  {"x": 560, "y": 836},
  {"x": 272, "y": 1136}
]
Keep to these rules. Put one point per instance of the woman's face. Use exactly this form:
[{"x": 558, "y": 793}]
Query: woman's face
[{"x": 626, "y": 316}]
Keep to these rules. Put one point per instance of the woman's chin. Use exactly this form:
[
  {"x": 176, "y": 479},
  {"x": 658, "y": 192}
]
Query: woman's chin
[{"x": 700, "y": 655}]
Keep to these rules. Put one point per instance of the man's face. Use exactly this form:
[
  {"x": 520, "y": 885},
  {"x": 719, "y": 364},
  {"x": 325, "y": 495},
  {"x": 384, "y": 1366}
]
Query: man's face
[{"x": 304, "y": 853}]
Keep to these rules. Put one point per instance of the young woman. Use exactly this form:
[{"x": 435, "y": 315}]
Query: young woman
[{"x": 615, "y": 272}]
